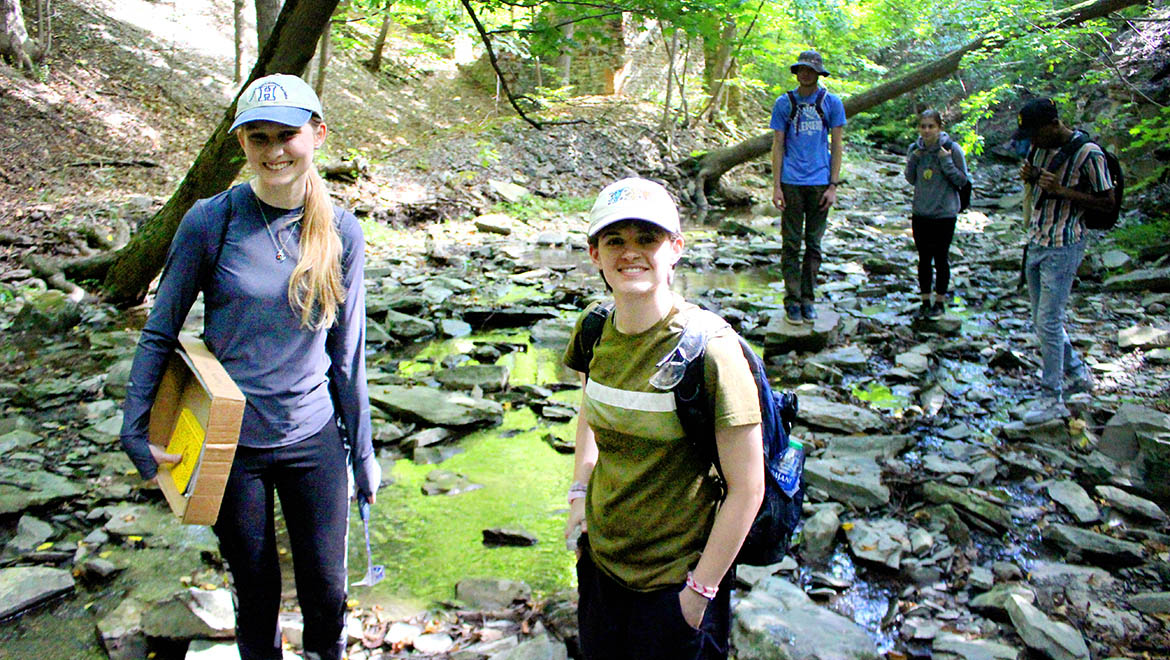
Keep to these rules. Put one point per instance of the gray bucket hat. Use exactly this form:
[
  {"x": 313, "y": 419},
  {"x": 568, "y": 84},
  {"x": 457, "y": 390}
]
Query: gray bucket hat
[{"x": 811, "y": 59}]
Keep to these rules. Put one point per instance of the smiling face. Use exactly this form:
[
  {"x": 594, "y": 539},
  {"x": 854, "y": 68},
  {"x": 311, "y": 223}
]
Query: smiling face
[
  {"x": 636, "y": 257},
  {"x": 929, "y": 129},
  {"x": 280, "y": 155}
]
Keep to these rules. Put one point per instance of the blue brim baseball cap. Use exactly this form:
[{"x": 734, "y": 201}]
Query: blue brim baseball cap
[
  {"x": 295, "y": 117},
  {"x": 280, "y": 98}
]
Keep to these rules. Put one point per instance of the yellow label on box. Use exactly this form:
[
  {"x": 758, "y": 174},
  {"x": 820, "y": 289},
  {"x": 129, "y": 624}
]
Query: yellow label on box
[{"x": 187, "y": 441}]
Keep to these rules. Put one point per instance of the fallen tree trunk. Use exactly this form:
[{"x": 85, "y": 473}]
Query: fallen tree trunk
[
  {"x": 716, "y": 163},
  {"x": 293, "y": 41}
]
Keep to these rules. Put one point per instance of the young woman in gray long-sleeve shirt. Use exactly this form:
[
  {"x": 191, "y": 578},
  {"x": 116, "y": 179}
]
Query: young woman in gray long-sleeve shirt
[
  {"x": 937, "y": 170},
  {"x": 281, "y": 271}
]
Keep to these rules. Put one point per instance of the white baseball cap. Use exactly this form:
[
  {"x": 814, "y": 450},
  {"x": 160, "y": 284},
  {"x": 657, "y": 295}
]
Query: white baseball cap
[
  {"x": 281, "y": 98},
  {"x": 634, "y": 199}
]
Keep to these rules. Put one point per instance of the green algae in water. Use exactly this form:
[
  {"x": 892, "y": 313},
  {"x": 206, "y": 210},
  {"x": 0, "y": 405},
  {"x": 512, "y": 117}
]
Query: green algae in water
[
  {"x": 881, "y": 397},
  {"x": 429, "y": 543}
]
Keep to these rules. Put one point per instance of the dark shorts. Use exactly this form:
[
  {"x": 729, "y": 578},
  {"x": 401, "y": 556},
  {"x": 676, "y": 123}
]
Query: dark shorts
[{"x": 618, "y": 623}]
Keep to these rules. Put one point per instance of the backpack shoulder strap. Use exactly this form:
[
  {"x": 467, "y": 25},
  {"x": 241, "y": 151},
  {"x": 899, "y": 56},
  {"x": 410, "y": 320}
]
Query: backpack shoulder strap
[
  {"x": 592, "y": 326},
  {"x": 819, "y": 104},
  {"x": 792, "y": 106},
  {"x": 691, "y": 399}
]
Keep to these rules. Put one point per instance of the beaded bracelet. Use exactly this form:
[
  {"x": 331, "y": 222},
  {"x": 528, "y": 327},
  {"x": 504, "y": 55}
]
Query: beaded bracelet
[
  {"x": 701, "y": 589},
  {"x": 577, "y": 491}
]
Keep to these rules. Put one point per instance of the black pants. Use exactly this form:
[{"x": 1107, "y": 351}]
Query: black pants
[
  {"x": 310, "y": 478},
  {"x": 932, "y": 238},
  {"x": 617, "y": 623}
]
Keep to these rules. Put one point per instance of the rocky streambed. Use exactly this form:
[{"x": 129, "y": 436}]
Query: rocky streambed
[{"x": 937, "y": 524}]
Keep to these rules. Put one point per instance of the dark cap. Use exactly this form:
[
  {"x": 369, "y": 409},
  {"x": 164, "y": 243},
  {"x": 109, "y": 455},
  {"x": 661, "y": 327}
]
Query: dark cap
[
  {"x": 811, "y": 59},
  {"x": 1034, "y": 114}
]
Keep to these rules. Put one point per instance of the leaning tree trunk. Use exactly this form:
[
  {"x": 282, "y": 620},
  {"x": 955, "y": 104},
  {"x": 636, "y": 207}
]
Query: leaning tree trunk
[
  {"x": 15, "y": 43},
  {"x": 296, "y": 32},
  {"x": 375, "y": 62},
  {"x": 717, "y": 162},
  {"x": 324, "y": 52},
  {"x": 266, "y": 13}
]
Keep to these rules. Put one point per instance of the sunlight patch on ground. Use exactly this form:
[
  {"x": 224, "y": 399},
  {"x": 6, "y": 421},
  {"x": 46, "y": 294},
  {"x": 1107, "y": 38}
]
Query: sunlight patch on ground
[{"x": 203, "y": 32}]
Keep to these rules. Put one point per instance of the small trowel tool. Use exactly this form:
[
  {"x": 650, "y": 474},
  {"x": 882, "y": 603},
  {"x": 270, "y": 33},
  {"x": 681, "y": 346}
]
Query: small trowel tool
[{"x": 374, "y": 574}]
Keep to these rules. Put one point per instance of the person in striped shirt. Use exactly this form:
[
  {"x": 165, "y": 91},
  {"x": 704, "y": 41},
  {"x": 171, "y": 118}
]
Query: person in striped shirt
[{"x": 1069, "y": 175}]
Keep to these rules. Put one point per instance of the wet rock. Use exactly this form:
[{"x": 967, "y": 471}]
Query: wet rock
[
  {"x": 1132, "y": 504},
  {"x": 1151, "y": 602},
  {"x": 30, "y": 533},
  {"x": 879, "y": 447},
  {"x": 994, "y": 600},
  {"x": 191, "y": 614},
  {"x": 1143, "y": 337},
  {"x": 1113, "y": 259},
  {"x": 501, "y": 536},
  {"x": 98, "y": 569},
  {"x": 495, "y": 223},
  {"x": 855, "y": 481},
  {"x": 433, "y": 643},
  {"x": 406, "y": 327},
  {"x": 1098, "y": 548},
  {"x": 494, "y": 318},
  {"x": 540, "y": 647},
  {"x": 1055, "y": 639},
  {"x": 782, "y": 337},
  {"x": 120, "y": 631},
  {"x": 487, "y": 377},
  {"x": 47, "y": 312},
  {"x": 953, "y": 646},
  {"x": 750, "y": 576},
  {"x": 436, "y": 407},
  {"x": 491, "y": 594},
  {"x": 980, "y": 578},
  {"x": 1071, "y": 496},
  {"x": 1142, "y": 435},
  {"x": 880, "y": 541},
  {"x": 915, "y": 363},
  {"x": 446, "y": 482},
  {"x": 1006, "y": 571},
  {"x": 26, "y": 586},
  {"x": 940, "y": 465},
  {"x": 849, "y": 358},
  {"x": 428, "y": 437},
  {"x": 821, "y": 412},
  {"x": 557, "y": 413},
  {"x": 969, "y": 501},
  {"x": 454, "y": 328},
  {"x": 819, "y": 534},
  {"x": 1146, "y": 279},
  {"x": 24, "y": 489},
  {"x": 1055, "y": 431},
  {"x": 777, "y": 620},
  {"x": 136, "y": 520}
]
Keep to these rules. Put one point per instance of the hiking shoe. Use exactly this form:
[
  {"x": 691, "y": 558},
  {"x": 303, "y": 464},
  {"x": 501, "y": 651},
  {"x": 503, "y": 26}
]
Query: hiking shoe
[
  {"x": 792, "y": 313},
  {"x": 936, "y": 310},
  {"x": 808, "y": 311},
  {"x": 1082, "y": 382},
  {"x": 923, "y": 311},
  {"x": 1044, "y": 410}
]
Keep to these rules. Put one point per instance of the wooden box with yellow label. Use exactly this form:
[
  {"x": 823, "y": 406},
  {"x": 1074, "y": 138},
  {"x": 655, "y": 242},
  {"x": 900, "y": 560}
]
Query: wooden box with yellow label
[{"x": 196, "y": 414}]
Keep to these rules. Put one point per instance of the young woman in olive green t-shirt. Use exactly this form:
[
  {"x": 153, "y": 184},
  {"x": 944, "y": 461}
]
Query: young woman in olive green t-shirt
[{"x": 659, "y": 534}]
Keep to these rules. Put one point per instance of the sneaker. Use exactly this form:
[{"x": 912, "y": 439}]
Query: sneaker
[
  {"x": 808, "y": 311},
  {"x": 792, "y": 313},
  {"x": 923, "y": 311},
  {"x": 936, "y": 310},
  {"x": 1044, "y": 410},
  {"x": 1082, "y": 382}
]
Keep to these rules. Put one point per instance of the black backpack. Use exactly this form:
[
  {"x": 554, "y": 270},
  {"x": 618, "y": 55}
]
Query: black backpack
[
  {"x": 779, "y": 515},
  {"x": 1092, "y": 218}
]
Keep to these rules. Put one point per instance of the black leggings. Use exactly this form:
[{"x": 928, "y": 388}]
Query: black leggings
[
  {"x": 310, "y": 478},
  {"x": 932, "y": 239}
]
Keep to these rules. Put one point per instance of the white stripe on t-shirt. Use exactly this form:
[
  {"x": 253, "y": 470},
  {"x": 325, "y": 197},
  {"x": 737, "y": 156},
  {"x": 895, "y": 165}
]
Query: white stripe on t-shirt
[{"x": 657, "y": 402}]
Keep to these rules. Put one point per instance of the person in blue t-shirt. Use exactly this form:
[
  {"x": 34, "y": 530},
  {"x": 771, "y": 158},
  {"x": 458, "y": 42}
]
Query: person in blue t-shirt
[{"x": 805, "y": 176}]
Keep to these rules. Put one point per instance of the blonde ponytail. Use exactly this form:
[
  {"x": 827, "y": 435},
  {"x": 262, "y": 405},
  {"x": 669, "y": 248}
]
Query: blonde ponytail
[{"x": 315, "y": 287}]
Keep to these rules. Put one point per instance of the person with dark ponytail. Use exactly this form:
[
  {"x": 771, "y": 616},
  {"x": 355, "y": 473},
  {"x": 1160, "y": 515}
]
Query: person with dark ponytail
[
  {"x": 280, "y": 268},
  {"x": 936, "y": 168}
]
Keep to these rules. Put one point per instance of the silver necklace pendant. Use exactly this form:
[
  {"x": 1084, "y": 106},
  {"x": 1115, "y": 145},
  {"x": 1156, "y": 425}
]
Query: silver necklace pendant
[{"x": 280, "y": 255}]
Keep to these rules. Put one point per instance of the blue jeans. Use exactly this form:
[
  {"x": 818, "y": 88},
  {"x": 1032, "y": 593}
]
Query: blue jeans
[{"x": 1050, "y": 272}]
